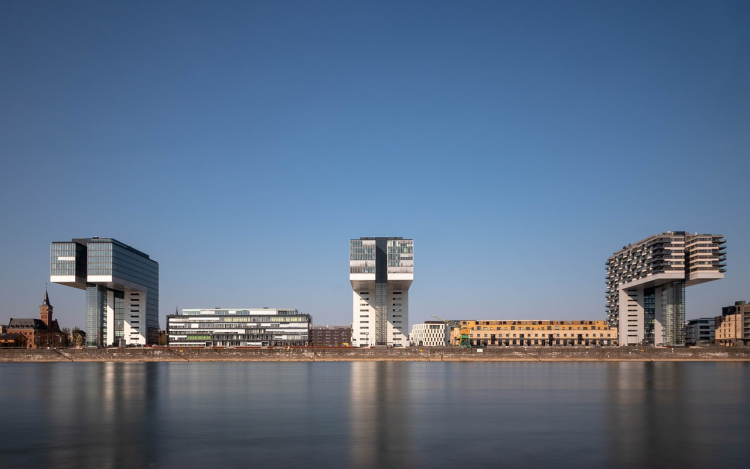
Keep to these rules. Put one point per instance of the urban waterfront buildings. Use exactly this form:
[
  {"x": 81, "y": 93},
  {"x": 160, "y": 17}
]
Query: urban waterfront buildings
[
  {"x": 733, "y": 326},
  {"x": 646, "y": 284},
  {"x": 239, "y": 327},
  {"x": 331, "y": 336},
  {"x": 122, "y": 289},
  {"x": 545, "y": 333},
  {"x": 37, "y": 333},
  {"x": 13, "y": 340},
  {"x": 700, "y": 331},
  {"x": 381, "y": 271},
  {"x": 430, "y": 334}
]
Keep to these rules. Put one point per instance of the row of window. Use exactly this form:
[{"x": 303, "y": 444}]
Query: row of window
[
  {"x": 537, "y": 328},
  {"x": 537, "y": 335}
]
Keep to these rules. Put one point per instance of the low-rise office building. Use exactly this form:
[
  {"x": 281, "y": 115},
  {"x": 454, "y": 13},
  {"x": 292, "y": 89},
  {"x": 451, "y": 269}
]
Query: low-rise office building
[
  {"x": 248, "y": 327},
  {"x": 700, "y": 331},
  {"x": 733, "y": 326},
  {"x": 430, "y": 334},
  {"x": 540, "y": 333},
  {"x": 331, "y": 336}
]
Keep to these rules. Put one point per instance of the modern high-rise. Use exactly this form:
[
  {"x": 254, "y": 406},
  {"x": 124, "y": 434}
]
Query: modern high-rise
[
  {"x": 646, "y": 284},
  {"x": 381, "y": 271},
  {"x": 122, "y": 289}
]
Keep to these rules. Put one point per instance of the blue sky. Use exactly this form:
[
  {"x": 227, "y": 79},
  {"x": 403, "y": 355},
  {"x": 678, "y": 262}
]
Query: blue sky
[{"x": 242, "y": 144}]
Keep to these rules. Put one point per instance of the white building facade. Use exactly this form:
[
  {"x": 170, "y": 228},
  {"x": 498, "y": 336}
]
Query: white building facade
[
  {"x": 239, "y": 327},
  {"x": 646, "y": 284},
  {"x": 430, "y": 334},
  {"x": 381, "y": 271}
]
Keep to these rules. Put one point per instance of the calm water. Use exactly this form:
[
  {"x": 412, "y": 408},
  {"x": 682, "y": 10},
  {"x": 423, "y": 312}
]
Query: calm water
[{"x": 340, "y": 415}]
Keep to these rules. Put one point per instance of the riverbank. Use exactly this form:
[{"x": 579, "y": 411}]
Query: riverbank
[{"x": 488, "y": 354}]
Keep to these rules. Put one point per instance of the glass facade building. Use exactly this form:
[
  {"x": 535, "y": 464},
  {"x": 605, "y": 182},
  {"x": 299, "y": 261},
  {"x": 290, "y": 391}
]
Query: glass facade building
[
  {"x": 121, "y": 284},
  {"x": 239, "y": 328}
]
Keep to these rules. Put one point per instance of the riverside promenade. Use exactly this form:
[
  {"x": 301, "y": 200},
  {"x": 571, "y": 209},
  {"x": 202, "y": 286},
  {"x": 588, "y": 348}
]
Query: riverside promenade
[{"x": 421, "y": 354}]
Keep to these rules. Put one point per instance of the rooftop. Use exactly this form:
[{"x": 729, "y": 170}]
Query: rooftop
[
  {"x": 96, "y": 239},
  {"x": 26, "y": 323}
]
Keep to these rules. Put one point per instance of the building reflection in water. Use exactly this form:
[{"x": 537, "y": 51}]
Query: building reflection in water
[
  {"x": 665, "y": 413},
  {"x": 99, "y": 415},
  {"x": 380, "y": 434},
  {"x": 374, "y": 414}
]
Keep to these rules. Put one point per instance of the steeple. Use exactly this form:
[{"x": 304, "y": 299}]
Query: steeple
[
  {"x": 45, "y": 311},
  {"x": 46, "y": 299}
]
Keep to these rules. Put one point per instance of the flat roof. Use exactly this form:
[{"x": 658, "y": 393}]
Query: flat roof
[{"x": 86, "y": 241}]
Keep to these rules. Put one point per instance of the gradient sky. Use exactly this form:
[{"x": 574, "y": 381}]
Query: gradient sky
[{"x": 242, "y": 144}]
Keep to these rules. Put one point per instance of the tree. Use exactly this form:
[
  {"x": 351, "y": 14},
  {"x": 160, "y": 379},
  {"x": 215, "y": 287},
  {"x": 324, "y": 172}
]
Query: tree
[{"x": 77, "y": 337}]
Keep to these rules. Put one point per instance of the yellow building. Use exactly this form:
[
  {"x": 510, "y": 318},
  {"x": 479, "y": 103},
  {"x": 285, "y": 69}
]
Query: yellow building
[
  {"x": 733, "y": 326},
  {"x": 539, "y": 333}
]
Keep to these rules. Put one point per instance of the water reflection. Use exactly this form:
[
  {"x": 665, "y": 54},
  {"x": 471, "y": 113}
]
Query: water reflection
[
  {"x": 662, "y": 413},
  {"x": 362, "y": 415},
  {"x": 378, "y": 415},
  {"x": 81, "y": 415}
]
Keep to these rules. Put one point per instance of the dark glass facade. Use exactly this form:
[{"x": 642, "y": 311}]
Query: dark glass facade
[
  {"x": 108, "y": 269},
  {"x": 110, "y": 257},
  {"x": 68, "y": 259},
  {"x": 96, "y": 320},
  {"x": 649, "y": 315},
  {"x": 673, "y": 304}
]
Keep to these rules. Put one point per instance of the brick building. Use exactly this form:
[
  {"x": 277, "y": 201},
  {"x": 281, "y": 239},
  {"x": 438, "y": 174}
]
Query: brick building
[
  {"x": 12, "y": 340},
  {"x": 44, "y": 332},
  {"x": 331, "y": 336}
]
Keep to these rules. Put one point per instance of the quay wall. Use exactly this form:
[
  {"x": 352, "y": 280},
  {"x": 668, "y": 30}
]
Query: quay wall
[{"x": 177, "y": 354}]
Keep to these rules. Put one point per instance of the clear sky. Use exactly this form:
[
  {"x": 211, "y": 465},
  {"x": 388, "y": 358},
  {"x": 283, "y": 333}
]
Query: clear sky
[{"x": 242, "y": 144}]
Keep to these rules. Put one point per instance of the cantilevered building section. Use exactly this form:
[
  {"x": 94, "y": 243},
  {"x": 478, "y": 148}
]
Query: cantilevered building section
[
  {"x": 381, "y": 271},
  {"x": 646, "y": 284},
  {"x": 122, "y": 289}
]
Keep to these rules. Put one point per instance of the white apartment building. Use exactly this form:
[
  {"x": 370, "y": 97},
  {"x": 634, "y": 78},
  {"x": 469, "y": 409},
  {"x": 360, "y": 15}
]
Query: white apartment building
[
  {"x": 381, "y": 271},
  {"x": 646, "y": 284},
  {"x": 430, "y": 334}
]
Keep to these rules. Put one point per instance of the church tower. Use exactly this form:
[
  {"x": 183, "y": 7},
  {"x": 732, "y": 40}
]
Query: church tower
[{"x": 45, "y": 311}]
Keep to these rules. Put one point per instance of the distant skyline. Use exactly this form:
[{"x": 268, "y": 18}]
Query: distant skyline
[{"x": 243, "y": 144}]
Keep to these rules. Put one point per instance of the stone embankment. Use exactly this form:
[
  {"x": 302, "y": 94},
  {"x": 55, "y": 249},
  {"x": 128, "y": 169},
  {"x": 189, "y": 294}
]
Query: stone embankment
[{"x": 309, "y": 354}]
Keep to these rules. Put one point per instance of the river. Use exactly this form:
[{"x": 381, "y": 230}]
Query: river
[{"x": 375, "y": 414}]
